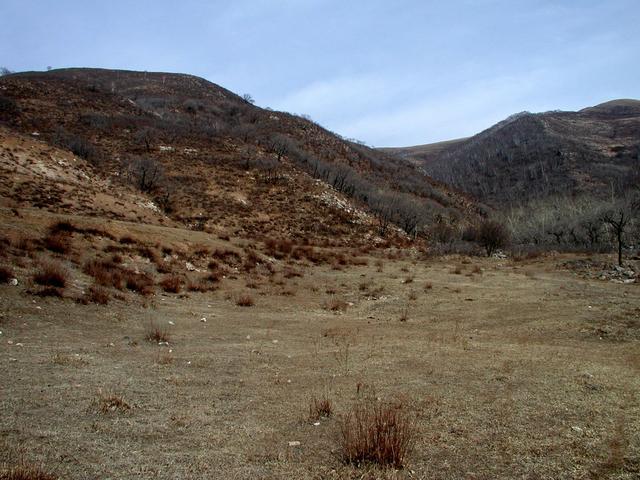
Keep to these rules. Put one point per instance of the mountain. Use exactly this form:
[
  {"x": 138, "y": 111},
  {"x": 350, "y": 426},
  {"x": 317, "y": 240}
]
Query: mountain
[
  {"x": 527, "y": 157},
  {"x": 197, "y": 155}
]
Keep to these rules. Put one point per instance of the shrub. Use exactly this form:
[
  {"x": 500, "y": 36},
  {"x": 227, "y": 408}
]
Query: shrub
[
  {"x": 51, "y": 274},
  {"x": 171, "y": 283},
  {"x": 492, "y": 235},
  {"x": 157, "y": 333},
  {"x": 112, "y": 402},
  {"x": 320, "y": 407},
  {"x": 105, "y": 273},
  {"x": 98, "y": 295},
  {"x": 335, "y": 305},
  {"x": 62, "y": 226},
  {"x": 58, "y": 242},
  {"x": 139, "y": 282},
  {"x": 6, "y": 274},
  {"x": 245, "y": 301},
  {"x": 379, "y": 433}
]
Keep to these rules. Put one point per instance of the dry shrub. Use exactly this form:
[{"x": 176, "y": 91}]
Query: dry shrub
[
  {"x": 58, "y": 242},
  {"x": 202, "y": 286},
  {"x": 428, "y": 286},
  {"x": 51, "y": 274},
  {"x": 408, "y": 280},
  {"x": 105, "y": 273},
  {"x": 128, "y": 240},
  {"x": 63, "y": 226},
  {"x": 476, "y": 269},
  {"x": 320, "y": 407},
  {"x": 6, "y": 274},
  {"x": 172, "y": 283},
  {"x": 245, "y": 301},
  {"x": 227, "y": 256},
  {"x": 25, "y": 472},
  {"x": 97, "y": 294},
  {"x": 139, "y": 282},
  {"x": 111, "y": 402},
  {"x": 336, "y": 305},
  {"x": 50, "y": 292},
  {"x": 157, "y": 333},
  {"x": 413, "y": 296},
  {"x": 457, "y": 271},
  {"x": 378, "y": 433}
]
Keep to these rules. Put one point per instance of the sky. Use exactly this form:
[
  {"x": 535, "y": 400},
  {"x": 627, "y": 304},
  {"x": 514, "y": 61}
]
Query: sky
[{"x": 389, "y": 73}]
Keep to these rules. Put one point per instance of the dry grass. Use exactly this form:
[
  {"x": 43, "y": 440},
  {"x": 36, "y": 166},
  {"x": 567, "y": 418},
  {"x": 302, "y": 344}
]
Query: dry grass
[
  {"x": 25, "y": 472},
  {"x": 335, "y": 305},
  {"x": 378, "y": 433},
  {"x": 245, "y": 300},
  {"x": 112, "y": 403},
  {"x": 172, "y": 283},
  {"x": 6, "y": 274},
  {"x": 157, "y": 333},
  {"x": 320, "y": 407},
  {"x": 51, "y": 274},
  {"x": 96, "y": 294},
  {"x": 59, "y": 242}
]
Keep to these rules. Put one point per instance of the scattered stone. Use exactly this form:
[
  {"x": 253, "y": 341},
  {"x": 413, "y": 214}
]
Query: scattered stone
[
  {"x": 190, "y": 266},
  {"x": 294, "y": 443}
]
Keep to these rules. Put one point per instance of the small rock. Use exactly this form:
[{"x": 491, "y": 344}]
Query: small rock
[
  {"x": 203, "y": 320},
  {"x": 13, "y": 282},
  {"x": 577, "y": 429},
  {"x": 294, "y": 443},
  {"x": 190, "y": 266},
  {"x": 248, "y": 337},
  {"x": 163, "y": 343},
  {"x": 274, "y": 341},
  {"x": 315, "y": 424},
  {"x": 171, "y": 322}
]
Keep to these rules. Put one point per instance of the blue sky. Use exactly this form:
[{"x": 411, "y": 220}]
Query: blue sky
[{"x": 389, "y": 73}]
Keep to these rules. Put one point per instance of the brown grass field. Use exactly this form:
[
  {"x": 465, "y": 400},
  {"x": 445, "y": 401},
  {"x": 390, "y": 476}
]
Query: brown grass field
[{"x": 504, "y": 369}]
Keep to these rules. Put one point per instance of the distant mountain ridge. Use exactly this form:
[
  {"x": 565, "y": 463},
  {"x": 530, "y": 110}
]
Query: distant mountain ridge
[{"x": 535, "y": 155}]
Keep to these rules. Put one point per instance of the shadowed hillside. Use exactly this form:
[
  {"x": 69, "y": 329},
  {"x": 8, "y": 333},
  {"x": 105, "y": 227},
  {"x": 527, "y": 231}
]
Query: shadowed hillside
[{"x": 532, "y": 156}]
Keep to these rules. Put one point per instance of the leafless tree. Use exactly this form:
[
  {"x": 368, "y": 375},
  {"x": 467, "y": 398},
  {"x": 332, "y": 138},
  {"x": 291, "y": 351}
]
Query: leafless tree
[
  {"x": 146, "y": 173},
  {"x": 492, "y": 235},
  {"x": 618, "y": 220}
]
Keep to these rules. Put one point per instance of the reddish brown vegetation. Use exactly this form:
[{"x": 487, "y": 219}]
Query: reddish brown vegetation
[
  {"x": 51, "y": 274},
  {"x": 379, "y": 433}
]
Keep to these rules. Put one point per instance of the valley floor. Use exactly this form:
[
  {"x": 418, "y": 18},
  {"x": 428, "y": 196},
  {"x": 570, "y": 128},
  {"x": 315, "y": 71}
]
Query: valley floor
[{"x": 508, "y": 370}]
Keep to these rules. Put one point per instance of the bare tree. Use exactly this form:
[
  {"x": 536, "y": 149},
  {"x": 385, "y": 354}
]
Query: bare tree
[
  {"x": 145, "y": 136},
  {"x": 492, "y": 235},
  {"x": 146, "y": 173},
  {"x": 279, "y": 145},
  {"x": 248, "y": 98},
  {"x": 618, "y": 220}
]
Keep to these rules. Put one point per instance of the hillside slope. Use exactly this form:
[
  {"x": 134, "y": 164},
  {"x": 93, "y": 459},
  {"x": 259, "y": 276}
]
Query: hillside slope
[
  {"x": 208, "y": 159},
  {"x": 531, "y": 156}
]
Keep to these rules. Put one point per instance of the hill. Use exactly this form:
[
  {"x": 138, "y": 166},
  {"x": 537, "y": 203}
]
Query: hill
[
  {"x": 208, "y": 159},
  {"x": 532, "y": 156}
]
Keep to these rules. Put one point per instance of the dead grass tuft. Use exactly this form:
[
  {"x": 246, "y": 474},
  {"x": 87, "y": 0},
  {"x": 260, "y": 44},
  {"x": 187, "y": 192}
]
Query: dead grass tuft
[
  {"x": 51, "y": 274},
  {"x": 320, "y": 407},
  {"x": 157, "y": 333},
  {"x": 112, "y": 402},
  {"x": 378, "y": 433},
  {"x": 335, "y": 305},
  {"x": 6, "y": 274},
  {"x": 172, "y": 283},
  {"x": 59, "y": 242},
  {"x": 245, "y": 300}
]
